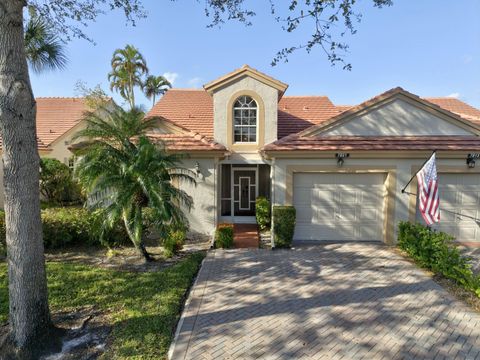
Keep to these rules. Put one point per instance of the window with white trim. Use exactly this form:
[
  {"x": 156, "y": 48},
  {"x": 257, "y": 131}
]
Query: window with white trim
[{"x": 245, "y": 120}]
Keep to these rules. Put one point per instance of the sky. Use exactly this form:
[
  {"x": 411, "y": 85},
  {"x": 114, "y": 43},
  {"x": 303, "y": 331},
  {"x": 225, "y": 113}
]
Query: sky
[{"x": 428, "y": 47}]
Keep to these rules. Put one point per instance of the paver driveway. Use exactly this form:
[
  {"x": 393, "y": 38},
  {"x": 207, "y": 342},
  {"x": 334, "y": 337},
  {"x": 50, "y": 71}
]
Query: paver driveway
[{"x": 330, "y": 301}]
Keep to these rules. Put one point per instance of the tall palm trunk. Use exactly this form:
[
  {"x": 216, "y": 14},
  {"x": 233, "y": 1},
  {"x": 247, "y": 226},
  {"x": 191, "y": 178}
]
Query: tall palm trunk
[
  {"x": 29, "y": 313},
  {"x": 132, "y": 93},
  {"x": 133, "y": 221}
]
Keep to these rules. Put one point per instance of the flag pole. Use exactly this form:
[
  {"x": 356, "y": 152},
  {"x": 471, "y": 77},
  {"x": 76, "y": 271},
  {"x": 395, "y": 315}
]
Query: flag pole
[{"x": 421, "y": 167}]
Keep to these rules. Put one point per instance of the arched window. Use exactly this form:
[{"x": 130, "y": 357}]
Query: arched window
[{"x": 245, "y": 120}]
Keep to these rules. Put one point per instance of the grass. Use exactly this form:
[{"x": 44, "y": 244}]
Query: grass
[{"x": 144, "y": 306}]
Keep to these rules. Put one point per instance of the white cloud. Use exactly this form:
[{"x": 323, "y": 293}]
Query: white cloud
[
  {"x": 195, "y": 82},
  {"x": 454, "y": 95},
  {"x": 171, "y": 76}
]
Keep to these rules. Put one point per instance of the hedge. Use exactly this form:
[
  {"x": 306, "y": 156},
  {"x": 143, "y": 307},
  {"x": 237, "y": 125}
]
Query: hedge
[
  {"x": 284, "y": 218},
  {"x": 69, "y": 226},
  {"x": 437, "y": 252},
  {"x": 262, "y": 212},
  {"x": 224, "y": 236}
]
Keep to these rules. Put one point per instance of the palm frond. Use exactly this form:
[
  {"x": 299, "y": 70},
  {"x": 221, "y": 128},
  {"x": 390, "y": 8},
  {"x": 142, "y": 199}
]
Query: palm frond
[{"x": 43, "y": 48}]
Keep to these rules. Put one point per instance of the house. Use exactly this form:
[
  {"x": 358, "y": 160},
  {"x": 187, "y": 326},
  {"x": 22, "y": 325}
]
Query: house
[
  {"x": 58, "y": 119},
  {"x": 342, "y": 167}
]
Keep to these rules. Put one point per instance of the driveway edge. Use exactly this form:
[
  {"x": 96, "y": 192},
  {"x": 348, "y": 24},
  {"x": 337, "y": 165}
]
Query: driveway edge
[{"x": 173, "y": 349}]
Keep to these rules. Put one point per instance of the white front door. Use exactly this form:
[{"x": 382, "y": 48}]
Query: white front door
[{"x": 339, "y": 206}]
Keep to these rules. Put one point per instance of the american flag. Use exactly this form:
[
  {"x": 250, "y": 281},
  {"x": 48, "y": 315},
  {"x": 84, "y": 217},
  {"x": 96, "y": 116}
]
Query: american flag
[{"x": 428, "y": 192}]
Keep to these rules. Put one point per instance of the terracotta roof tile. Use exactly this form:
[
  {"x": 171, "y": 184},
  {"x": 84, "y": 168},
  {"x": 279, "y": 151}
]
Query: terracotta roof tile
[
  {"x": 349, "y": 143},
  {"x": 458, "y": 107},
  {"x": 55, "y": 116},
  {"x": 296, "y": 113},
  {"x": 191, "y": 109},
  {"x": 187, "y": 142}
]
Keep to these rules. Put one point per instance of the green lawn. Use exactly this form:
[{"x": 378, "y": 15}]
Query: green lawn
[{"x": 144, "y": 306}]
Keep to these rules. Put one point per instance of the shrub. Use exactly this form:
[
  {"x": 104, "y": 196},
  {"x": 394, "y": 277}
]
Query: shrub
[
  {"x": 262, "y": 212},
  {"x": 173, "y": 242},
  {"x": 283, "y": 225},
  {"x": 438, "y": 252},
  {"x": 56, "y": 183},
  {"x": 224, "y": 236},
  {"x": 69, "y": 226}
]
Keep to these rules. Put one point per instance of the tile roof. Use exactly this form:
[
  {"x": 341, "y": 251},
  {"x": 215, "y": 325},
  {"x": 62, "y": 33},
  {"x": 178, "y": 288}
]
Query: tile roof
[
  {"x": 192, "y": 109},
  {"x": 188, "y": 108},
  {"x": 296, "y": 113},
  {"x": 57, "y": 115},
  {"x": 186, "y": 142},
  {"x": 457, "y": 106},
  {"x": 349, "y": 143}
]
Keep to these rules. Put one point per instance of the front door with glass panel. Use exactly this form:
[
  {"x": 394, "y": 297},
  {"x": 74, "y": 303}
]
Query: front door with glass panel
[{"x": 245, "y": 192}]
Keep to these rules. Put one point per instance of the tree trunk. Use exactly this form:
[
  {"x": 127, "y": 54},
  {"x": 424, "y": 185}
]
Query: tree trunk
[
  {"x": 134, "y": 227},
  {"x": 30, "y": 321}
]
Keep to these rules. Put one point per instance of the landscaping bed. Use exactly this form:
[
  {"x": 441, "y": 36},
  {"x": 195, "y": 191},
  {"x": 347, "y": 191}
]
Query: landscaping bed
[
  {"x": 452, "y": 266},
  {"x": 135, "y": 311}
]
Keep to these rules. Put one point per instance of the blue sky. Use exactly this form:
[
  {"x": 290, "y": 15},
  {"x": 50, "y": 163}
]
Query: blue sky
[{"x": 429, "y": 47}]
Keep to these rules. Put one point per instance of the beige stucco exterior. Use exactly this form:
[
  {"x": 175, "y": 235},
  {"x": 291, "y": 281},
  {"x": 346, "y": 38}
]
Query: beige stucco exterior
[
  {"x": 267, "y": 100},
  {"x": 59, "y": 148},
  {"x": 399, "y": 206},
  {"x": 398, "y": 117},
  {"x": 201, "y": 217}
]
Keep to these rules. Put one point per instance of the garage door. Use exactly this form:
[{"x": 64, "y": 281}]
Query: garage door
[
  {"x": 339, "y": 206},
  {"x": 459, "y": 194}
]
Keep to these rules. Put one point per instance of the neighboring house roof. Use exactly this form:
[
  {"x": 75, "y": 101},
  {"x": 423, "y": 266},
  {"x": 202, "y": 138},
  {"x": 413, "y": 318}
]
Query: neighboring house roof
[
  {"x": 192, "y": 109},
  {"x": 245, "y": 70},
  {"x": 350, "y": 143},
  {"x": 56, "y": 116},
  {"x": 457, "y": 106}
]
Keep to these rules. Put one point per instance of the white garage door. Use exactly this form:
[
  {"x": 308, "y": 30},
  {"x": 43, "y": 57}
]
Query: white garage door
[
  {"x": 459, "y": 194},
  {"x": 339, "y": 206}
]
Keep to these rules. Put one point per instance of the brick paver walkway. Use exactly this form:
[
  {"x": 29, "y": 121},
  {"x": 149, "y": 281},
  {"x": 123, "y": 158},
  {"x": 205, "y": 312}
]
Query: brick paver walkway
[{"x": 348, "y": 301}]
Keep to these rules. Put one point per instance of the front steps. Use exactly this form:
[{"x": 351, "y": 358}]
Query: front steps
[{"x": 245, "y": 236}]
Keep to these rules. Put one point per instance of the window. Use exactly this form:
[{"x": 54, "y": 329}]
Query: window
[
  {"x": 71, "y": 162},
  {"x": 245, "y": 120}
]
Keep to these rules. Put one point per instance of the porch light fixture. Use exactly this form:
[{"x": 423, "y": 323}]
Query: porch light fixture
[
  {"x": 341, "y": 158},
  {"x": 471, "y": 160},
  {"x": 197, "y": 169}
]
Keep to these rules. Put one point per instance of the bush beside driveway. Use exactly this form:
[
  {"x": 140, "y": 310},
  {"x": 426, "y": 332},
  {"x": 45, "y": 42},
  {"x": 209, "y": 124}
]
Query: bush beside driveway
[{"x": 353, "y": 300}]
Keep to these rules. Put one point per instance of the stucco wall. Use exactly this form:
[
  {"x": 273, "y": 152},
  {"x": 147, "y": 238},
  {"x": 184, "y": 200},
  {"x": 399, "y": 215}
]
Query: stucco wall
[
  {"x": 222, "y": 97},
  {"x": 60, "y": 146},
  {"x": 202, "y": 215},
  {"x": 397, "y": 118},
  {"x": 403, "y": 168}
]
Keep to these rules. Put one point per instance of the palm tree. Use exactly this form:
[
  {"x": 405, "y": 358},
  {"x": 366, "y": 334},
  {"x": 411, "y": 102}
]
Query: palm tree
[
  {"x": 155, "y": 85},
  {"x": 128, "y": 172},
  {"x": 43, "y": 48},
  {"x": 128, "y": 67}
]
